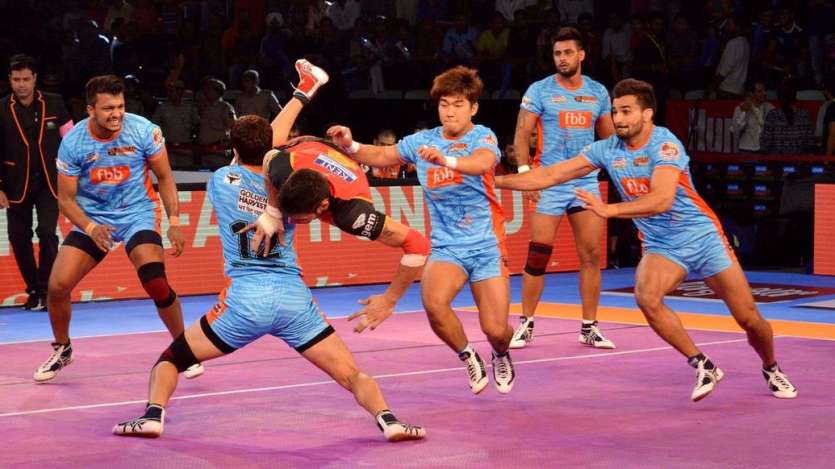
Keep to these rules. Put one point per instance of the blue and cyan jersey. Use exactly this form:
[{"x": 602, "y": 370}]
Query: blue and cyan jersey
[
  {"x": 631, "y": 173},
  {"x": 463, "y": 209},
  {"x": 238, "y": 197},
  {"x": 113, "y": 175},
  {"x": 567, "y": 118}
]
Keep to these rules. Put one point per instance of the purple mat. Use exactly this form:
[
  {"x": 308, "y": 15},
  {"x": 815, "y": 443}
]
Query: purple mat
[{"x": 265, "y": 406}]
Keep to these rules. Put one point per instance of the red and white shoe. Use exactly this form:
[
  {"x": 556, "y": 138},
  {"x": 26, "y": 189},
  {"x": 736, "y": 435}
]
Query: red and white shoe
[{"x": 311, "y": 78}]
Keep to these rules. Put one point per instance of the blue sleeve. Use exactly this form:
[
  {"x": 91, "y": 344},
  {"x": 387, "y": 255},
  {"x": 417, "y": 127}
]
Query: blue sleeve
[
  {"x": 604, "y": 100},
  {"x": 595, "y": 153},
  {"x": 487, "y": 140},
  {"x": 408, "y": 146},
  {"x": 531, "y": 101},
  {"x": 210, "y": 188},
  {"x": 668, "y": 151},
  {"x": 68, "y": 162},
  {"x": 151, "y": 140}
]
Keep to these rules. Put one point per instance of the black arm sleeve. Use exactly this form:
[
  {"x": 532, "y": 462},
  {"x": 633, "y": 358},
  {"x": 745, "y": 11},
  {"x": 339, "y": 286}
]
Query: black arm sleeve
[
  {"x": 279, "y": 169},
  {"x": 358, "y": 217}
]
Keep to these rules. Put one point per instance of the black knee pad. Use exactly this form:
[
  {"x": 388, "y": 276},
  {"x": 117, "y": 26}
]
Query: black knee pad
[
  {"x": 538, "y": 256},
  {"x": 155, "y": 283},
  {"x": 178, "y": 354}
]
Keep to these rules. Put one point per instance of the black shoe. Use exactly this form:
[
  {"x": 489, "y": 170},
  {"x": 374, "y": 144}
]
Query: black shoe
[
  {"x": 31, "y": 302},
  {"x": 41, "y": 306}
]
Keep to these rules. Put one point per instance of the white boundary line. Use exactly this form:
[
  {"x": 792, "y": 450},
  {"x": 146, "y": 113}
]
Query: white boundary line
[{"x": 383, "y": 376}]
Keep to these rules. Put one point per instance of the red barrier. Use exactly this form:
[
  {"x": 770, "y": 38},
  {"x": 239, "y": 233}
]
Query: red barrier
[
  {"x": 328, "y": 256},
  {"x": 824, "y": 256}
]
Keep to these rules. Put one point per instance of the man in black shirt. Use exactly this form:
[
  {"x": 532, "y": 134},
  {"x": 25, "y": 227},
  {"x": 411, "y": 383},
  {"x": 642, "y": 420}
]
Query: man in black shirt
[{"x": 31, "y": 125}]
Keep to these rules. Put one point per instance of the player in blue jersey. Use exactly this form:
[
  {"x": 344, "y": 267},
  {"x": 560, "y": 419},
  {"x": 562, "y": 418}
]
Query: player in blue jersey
[
  {"x": 105, "y": 190},
  {"x": 455, "y": 163},
  {"x": 265, "y": 295},
  {"x": 565, "y": 109},
  {"x": 680, "y": 233}
]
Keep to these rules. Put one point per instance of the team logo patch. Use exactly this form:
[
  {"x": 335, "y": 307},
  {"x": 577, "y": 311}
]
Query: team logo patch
[
  {"x": 619, "y": 163},
  {"x": 359, "y": 221},
  {"x": 642, "y": 160},
  {"x": 113, "y": 175},
  {"x": 575, "y": 119},
  {"x": 62, "y": 165},
  {"x": 368, "y": 229},
  {"x": 157, "y": 136},
  {"x": 251, "y": 202},
  {"x": 669, "y": 151},
  {"x": 489, "y": 140},
  {"x": 442, "y": 177},
  {"x": 234, "y": 179},
  {"x": 118, "y": 151},
  {"x": 558, "y": 99},
  {"x": 457, "y": 147},
  {"x": 585, "y": 99},
  {"x": 332, "y": 166},
  {"x": 526, "y": 101},
  {"x": 91, "y": 157}
]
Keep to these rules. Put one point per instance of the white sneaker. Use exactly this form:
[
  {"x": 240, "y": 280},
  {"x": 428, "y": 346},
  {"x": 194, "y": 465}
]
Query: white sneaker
[
  {"x": 194, "y": 371},
  {"x": 60, "y": 358},
  {"x": 394, "y": 430},
  {"x": 523, "y": 334},
  {"x": 706, "y": 380},
  {"x": 595, "y": 338},
  {"x": 142, "y": 426},
  {"x": 779, "y": 384},
  {"x": 475, "y": 371},
  {"x": 311, "y": 78},
  {"x": 503, "y": 373}
]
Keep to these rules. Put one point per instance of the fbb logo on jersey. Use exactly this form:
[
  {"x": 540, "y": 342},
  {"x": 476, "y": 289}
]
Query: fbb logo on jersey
[
  {"x": 575, "y": 119},
  {"x": 440, "y": 177},
  {"x": 635, "y": 187},
  {"x": 111, "y": 175}
]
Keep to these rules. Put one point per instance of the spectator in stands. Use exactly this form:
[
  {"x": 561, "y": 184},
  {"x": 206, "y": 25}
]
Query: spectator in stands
[
  {"x": 125, "y": 50},
  {"x": 254, "y": 100},
  {"x": 820, "y": 28},
  {"x": 788, "y": 128},
  {"x": 733, "y": 66},
  {"x": 177, "y": 118},
  {"x": 616, "y": 53},
  {"x": 508, "y": 8},
  {"x": 216, "y": 120},
  {"x": 118, "y": 9},
  {"x": 272, "y": 55},
  {"x": 545, "y": 43},
  {"x": 570, "y": 10},
  {"x": 761, "y": 31},
  {"x": 386, "y": 137},
  {"x": 682, "y": 46},
  {"x": 749, "y": 118},
  {"x": 460, "y": 42},
  {"x": 826, "y": 117},
  {"x": 507, "y": 164},
  {"x": 789, "y": 35},
  {"x": 133, "y": 96},
  {"x": 492, "y": 48},
  {"x": 650, "y": 63},
  {"x": 94, "y": 50},
  {"x": 343, "y": 13}
]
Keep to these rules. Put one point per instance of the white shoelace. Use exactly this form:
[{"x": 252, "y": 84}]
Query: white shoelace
[{"x": 502, "y": 368}]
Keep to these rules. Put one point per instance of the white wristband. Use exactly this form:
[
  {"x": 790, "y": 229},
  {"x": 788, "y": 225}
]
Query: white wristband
[
  {"x": 523, "y": 169},
  {"x": 451, "y": 162},
  {"x": 272, "y": 211},
  {"x": 355, "y": 147}
]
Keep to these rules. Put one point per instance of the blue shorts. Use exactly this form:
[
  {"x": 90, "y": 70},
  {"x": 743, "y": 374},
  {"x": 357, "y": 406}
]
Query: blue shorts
[
  {"x": 478, "y": 264},
  {"x": 127, "y": 226},
  {"x": 561, "y": 199},
  {"x": 704, "y": 255},
  {"x": 279, "y": 305}
]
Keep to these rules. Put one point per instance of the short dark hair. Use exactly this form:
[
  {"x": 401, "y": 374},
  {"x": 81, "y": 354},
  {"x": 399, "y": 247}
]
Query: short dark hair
[
  {"x": 19, "y": 62},
  {"x": 642, "y": 91},
  {"x": 252, "y": 138},
  {"x": 303, "y": 191},
  {"x": 103, "y": 84},
  {"x": 455, "y": 81},
  {"x": 569, "y": 34}
]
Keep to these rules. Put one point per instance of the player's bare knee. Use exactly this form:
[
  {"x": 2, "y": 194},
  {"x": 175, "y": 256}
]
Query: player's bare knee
[
  {"x": 649, "y": 302},
  {"x": 58, "y": 288},
  {"x": 495, "y": 332},
  {"x": 590, "y": 257},
  {"x": 435, "y": 305}
]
